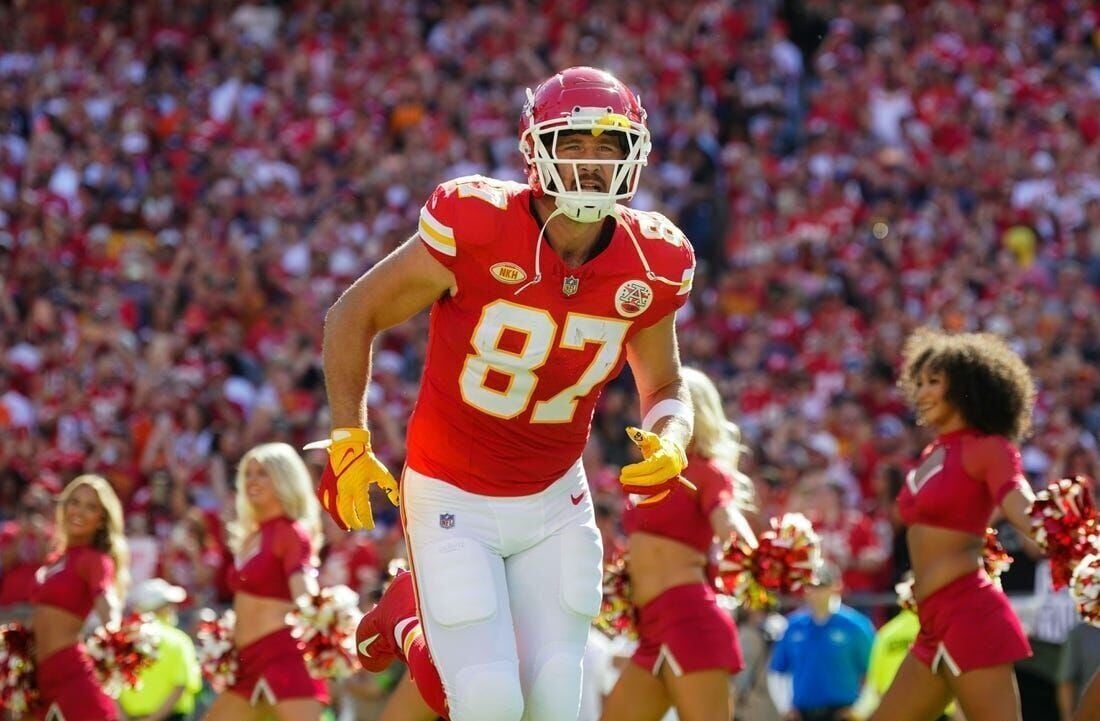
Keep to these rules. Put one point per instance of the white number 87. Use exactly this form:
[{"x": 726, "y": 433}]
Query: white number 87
[{"x": 539, "y": 330}]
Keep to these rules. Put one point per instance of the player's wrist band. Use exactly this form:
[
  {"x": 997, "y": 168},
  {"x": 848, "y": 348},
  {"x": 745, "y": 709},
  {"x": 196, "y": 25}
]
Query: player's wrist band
[{"x": 668, "y": 407}]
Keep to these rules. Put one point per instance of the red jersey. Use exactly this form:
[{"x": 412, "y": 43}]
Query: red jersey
[
  {"x": 941, "y": 491},
  {"x": 283, "y": 549},
  {"x": 684, "y": 515},
  {"x": 520, "y": 350},
  {"x": 75, "y": 580}
]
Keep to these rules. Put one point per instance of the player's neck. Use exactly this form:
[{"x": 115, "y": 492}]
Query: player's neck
[{"x": 573, "y": 242}]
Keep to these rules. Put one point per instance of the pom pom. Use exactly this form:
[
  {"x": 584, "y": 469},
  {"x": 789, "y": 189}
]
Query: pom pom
[
  {"x": 782, "y": 563},
  {"x": 617, "y": 614},
  {"x": 325, "y": 626},
  {"x": 906, "y": 599},
  {"x": 120, "y": 654},
  {"x": 1063, "y": 518},
  {"x": 18, "y": 685},
  {"x": 1085, "y": 587},
  {"x": 215, "y": 649},
  {"x": 995, "y": 559}
]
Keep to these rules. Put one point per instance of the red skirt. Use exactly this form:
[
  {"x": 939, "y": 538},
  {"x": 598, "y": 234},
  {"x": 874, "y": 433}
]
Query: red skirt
[
  {"x": 272, "y": 669},
  {"x": 68, "y": 689},
  {"x": 685, "y": 628},
  {"x": 969, "y": 624}
]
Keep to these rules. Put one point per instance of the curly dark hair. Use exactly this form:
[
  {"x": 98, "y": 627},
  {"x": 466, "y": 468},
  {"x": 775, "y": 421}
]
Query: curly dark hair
[{"x": 986, "y": 380}]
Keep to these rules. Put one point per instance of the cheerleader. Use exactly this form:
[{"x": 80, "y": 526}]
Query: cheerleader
[
  {"x": 90, "y": 573},
  {"x": 275, "y": 540}
]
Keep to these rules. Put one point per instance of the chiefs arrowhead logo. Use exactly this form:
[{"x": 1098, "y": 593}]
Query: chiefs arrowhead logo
[
  {"x": 508, "y": 273},
  {"x": 632, "y": 298}
]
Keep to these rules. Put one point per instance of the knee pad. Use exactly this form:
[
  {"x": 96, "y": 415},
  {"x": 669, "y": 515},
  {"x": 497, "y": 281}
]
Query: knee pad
[
  {"x": 582, "y": 571},
  {"x": 556, "y": 690},
  {"x": 457, "y": 581},
  {"x": 488, "y": 692}
]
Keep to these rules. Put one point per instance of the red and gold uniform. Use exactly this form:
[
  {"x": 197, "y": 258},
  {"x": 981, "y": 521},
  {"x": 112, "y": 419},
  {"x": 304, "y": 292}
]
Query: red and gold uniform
[
  {"x": 968, "y": 623},
  {"x": 271, "y": 668},
  {"x": 67, "y": 682},
  {"x": 683, "y": 626},
  {"x": 523, "y": 346},
  {"x": 500, "y": 526}
]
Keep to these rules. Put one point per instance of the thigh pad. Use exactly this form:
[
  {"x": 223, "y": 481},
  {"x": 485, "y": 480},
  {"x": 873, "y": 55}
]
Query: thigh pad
[
  {"x": 457, "y": 580},
  {"x": 582, "y": 570}
]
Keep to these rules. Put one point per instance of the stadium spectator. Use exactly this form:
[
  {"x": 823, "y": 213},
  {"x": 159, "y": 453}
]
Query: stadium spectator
[
  {"x": 818, "y": 665},
  {"x": 165, "y": 690}
]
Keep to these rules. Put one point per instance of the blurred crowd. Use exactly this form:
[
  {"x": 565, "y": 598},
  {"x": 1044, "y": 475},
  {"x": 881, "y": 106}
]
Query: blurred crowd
[{"x": 186, "y": 187}]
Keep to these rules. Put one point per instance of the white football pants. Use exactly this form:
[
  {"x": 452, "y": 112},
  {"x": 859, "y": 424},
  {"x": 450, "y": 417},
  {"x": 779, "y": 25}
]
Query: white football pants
[{"x": 507, "y": 588}]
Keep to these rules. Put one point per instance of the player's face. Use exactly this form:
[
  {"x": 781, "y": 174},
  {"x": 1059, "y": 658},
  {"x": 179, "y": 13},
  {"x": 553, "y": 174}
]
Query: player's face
[
  {"x": 259, "y": 489},
  {"x": 933, "y": 408},
  {"x": 577, "y": 146},
  {"x": 83, "y": 515}
]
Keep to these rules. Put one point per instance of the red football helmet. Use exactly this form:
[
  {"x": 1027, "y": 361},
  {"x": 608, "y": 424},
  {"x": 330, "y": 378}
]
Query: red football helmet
[{"x": 592, "y": 100}]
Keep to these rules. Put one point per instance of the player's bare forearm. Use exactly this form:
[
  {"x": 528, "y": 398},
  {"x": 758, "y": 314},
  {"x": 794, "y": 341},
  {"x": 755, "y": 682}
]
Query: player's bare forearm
[
  {"x": 346, "y": 355},
  {"x": 655, "y": 361},
  {"x": 404, "y": 283}
]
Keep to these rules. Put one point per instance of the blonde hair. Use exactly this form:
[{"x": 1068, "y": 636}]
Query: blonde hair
[
  {"x": 293, "y": 486},
  {"x": 716, "y": 437},
  {"x": 109, "y": 538}
]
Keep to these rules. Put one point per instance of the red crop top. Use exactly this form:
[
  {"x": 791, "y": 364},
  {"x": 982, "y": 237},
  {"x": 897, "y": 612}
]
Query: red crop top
[
  {"x": 74, "y": 580},
  {"x": 282, "y": 551},
  {"x": 940, "y": 491},
  {"x": 684, "y": 515}
]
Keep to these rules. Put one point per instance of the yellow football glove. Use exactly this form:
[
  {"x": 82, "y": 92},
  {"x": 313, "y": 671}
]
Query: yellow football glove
[
  {"x": 654, "y": 476},
  {"x": 344, "y": 491}
]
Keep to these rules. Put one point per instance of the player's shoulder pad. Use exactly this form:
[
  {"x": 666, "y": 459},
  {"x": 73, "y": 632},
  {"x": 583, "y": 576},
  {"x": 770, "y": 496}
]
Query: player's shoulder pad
[
  {"x": 667, "y": 249},
  {"x": 469, "y": 202}
]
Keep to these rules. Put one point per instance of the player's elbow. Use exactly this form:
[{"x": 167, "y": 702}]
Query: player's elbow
[{"x": 348, "y": 318}]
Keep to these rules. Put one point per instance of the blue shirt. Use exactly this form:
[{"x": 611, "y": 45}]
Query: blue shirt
[{"x": 826, "y": 661}]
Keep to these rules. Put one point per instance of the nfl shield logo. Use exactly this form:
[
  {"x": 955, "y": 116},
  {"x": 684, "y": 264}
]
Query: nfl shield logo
[
  {"x": 570, "y": 285},
  {"x": 446, "y": 520}
]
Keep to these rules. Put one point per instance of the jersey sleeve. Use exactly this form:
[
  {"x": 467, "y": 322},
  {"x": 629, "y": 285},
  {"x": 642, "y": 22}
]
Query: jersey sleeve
[
  {"x": 436, "y": 226},
  {"x": 1001, "y": 468},
  {"x": 98, "y": 571},
  {"x": 670, "y": 260},
  {"x": 292, "y": 548},
  {"x": 462, "y": 215}
]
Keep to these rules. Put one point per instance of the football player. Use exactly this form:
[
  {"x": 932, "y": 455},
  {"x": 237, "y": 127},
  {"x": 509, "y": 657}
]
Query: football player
[{"x": 539, "y": 292}]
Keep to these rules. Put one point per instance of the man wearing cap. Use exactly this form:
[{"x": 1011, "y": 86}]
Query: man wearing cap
[
  {"x": 166, "y": 690},
  {"x": 818, "y": 665}
]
